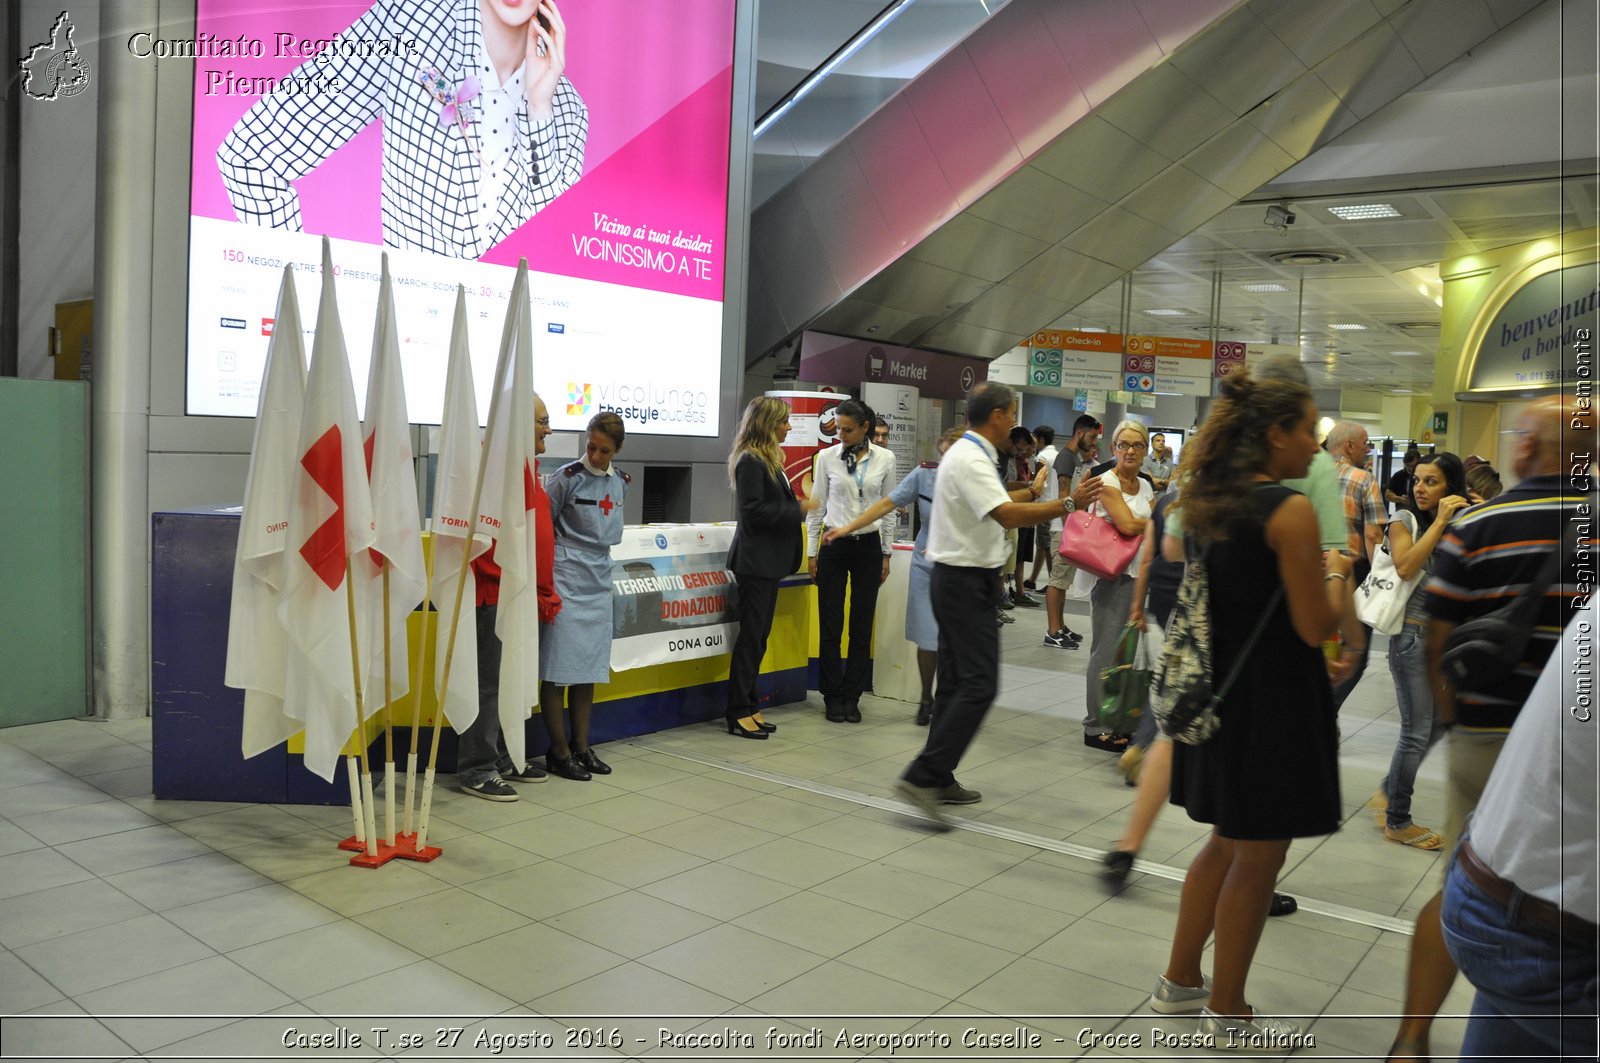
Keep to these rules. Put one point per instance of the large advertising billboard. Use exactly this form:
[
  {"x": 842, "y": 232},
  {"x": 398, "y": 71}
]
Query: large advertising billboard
[{"x": 589, "y": 136}]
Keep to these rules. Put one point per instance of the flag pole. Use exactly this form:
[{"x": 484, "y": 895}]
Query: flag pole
[
  {"x": 518, "y": 290},
  {"x": 360, "y": 836},
  {"x": 361, "y": 743},
  {"x": 416, "y": 699},
  {"x": 388, "y": 718}
]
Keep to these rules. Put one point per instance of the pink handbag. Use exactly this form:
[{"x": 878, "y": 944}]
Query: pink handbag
[{"x": 1094, "y": 545}]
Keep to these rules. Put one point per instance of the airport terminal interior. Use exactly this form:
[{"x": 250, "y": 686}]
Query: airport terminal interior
[{"x": 957, "y": 185}]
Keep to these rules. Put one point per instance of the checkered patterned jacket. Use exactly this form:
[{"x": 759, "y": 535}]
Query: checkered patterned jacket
[{"x": 430, "y": 170}]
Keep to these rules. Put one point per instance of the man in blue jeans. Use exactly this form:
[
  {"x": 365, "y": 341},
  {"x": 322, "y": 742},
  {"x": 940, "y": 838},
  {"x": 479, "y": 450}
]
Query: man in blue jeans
[{"x": 1520, "y": 907}]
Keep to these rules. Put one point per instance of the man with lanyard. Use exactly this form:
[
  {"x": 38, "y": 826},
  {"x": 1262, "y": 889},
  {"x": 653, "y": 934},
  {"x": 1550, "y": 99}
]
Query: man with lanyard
[
  {"x": 848, "y": 479},
  {"x": 967, "y": 545},
  {"x": 1070, "y": 464},
  {"x": 1158, "y": 463},
  {"x": 1365, "y": 518}
]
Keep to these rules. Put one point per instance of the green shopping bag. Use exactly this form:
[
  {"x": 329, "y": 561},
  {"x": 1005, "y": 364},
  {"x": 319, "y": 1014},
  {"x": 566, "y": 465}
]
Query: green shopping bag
[{"x": 1123, "y": 685}]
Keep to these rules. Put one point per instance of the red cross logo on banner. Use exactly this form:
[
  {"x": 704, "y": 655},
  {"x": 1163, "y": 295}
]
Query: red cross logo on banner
[
  {"x": 323, "y": 550},
  {"x": 606, "y": 505}
]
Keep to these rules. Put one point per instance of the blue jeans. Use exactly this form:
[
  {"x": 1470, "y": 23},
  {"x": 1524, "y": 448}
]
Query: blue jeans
[
  {"x": 1419, "y": 724},
  {"x": 1536, "y": 991}
]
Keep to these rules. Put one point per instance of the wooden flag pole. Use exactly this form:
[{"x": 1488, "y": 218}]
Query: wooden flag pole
[
  {"x": 416, "y": 697},
  {"x": 360, "y": 835},
  {"x": 518, "y": 290},
  {"x": 449, "y": 658},
  {"x": 360, "y": 732},
  {"x": 388, "y": 717}
]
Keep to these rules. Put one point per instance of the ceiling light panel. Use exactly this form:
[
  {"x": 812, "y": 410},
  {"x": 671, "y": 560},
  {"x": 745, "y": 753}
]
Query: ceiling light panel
[
  {"x": 1348, "y": 326},
  {"x": 1166, "y": 312},
  {"x": 1263, "y": 287},
  {"x": 1364, "y": 211}
]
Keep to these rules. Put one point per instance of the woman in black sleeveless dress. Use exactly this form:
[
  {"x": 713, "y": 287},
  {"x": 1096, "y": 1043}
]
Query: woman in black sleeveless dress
[{"x": 1270, "y": 773}]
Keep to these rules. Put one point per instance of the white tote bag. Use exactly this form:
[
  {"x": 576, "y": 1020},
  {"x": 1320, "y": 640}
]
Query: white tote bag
[{"x": 1381, "y": 599}]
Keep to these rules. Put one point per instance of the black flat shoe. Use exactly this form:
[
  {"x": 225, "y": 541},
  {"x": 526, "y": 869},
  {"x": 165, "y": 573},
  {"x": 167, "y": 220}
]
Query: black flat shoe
[
  {"x": 567, "y": 767},
  {"x": 924, "y": 714},
  {"x": 587, "y": 758},
  {"x": 852, "y": 712},
  {"x": 1283, "y": 904},
  {"x": 735, "y": 728},
  {"x": 1118, "y": 863}
]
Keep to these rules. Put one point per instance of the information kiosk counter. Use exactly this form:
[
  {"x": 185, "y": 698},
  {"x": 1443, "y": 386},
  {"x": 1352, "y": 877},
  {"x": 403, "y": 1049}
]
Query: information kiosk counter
[{"x": 669, "y": 657}]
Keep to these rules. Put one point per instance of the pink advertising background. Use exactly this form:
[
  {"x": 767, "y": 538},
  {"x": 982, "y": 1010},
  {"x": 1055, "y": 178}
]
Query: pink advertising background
[{"x": 657, "y": 79}]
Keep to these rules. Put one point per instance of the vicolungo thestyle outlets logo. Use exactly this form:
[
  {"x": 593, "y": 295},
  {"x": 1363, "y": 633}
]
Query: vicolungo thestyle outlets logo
[{"x": 55, "y": 69}]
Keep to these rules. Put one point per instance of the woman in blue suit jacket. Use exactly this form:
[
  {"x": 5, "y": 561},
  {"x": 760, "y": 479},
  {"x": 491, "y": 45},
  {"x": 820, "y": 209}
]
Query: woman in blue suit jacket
[{"x": 767, "y": 546}]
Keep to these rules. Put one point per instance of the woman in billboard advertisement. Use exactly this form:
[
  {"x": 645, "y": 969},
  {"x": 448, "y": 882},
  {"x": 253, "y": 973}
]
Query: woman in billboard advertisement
[{"x": 481, "y": 127}]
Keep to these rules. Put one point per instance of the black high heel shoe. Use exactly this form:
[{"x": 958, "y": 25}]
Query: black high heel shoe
[
  {"x": 735, "y": 729},
  {"x": 770, "y": 728}
]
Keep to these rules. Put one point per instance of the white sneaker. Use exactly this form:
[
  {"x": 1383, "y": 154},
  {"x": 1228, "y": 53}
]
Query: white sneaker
[
  {"x": 1257, "y": 1034},
  {"x": 1170, "y": 998}
]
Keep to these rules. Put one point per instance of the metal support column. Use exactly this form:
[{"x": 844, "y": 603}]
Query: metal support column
[{"x": 120, "y": 392}]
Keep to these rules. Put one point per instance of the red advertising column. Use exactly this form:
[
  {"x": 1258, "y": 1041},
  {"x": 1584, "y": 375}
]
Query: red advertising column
[{"x": 811, "y": 428}]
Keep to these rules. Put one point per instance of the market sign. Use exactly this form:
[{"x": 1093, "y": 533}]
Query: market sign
[
  {"x": 847, "y": 362},
  {"x": 1532, "y": 344}
]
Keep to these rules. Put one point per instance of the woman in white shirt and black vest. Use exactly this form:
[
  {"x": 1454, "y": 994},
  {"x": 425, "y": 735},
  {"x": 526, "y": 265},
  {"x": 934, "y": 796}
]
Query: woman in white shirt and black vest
[{"x": 848, "y": 478}]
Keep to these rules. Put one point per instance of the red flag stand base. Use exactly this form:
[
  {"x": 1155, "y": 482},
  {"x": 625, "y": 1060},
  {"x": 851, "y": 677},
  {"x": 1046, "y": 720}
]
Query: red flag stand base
[
  {"x": 405, "y": 847},
  {"x": 353, "y": 845},
  {"x": 384, "y": 854}
]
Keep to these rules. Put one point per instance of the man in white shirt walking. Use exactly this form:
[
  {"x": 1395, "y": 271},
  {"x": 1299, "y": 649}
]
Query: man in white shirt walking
[
  {"x": 848, "y": 479},
  {"x": 967, "y": 545}
]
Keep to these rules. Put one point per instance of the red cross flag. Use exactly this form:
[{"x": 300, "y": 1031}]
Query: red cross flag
[
  {"x": 460, "y": 442},
  {"x": 330, "y": 520},
  {"x": 503, "y": 512},
  {"x": 258, "y": 645},
  {"x": 392, "y": 474}
]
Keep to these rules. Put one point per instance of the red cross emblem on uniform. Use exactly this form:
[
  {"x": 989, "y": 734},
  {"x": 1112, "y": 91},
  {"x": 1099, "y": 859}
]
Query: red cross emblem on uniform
[{"x": 606, "y": 505}]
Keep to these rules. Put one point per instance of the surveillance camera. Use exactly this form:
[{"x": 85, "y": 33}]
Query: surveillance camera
[{"x": 1279, "y": 217}]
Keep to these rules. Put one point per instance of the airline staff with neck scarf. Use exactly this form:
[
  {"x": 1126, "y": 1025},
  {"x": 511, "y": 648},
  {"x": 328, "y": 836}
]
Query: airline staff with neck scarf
[{"x": 848, "y": 479}]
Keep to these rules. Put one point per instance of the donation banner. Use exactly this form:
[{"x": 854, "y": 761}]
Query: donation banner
[{"x": 673, "y": 598}]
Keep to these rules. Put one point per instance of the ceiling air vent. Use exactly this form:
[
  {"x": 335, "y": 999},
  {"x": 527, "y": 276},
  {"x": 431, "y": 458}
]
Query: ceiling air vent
[
  {"x": 1307, "y": 258},
  {"x": 1416, "y": 326}
]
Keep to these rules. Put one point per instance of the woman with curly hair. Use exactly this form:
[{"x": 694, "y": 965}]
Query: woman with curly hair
[{"x": 1270, "y": 773}]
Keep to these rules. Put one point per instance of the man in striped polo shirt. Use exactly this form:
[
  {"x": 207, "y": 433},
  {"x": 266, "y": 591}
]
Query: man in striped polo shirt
[{"x": 1489, "y": 556}]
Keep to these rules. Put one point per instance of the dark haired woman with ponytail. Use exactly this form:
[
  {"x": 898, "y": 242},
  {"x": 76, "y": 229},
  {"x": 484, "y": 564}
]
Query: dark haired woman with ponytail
[{"x": 1270, "y": 773}]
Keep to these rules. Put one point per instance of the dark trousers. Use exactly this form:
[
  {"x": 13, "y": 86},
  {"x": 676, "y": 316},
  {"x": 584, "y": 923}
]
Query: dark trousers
[
  {"x": 481, "y": 748},
  {"x": 758, "y": 598},
  {"x": 964, "y": 603},
  {"x": 860, "y": 562}
]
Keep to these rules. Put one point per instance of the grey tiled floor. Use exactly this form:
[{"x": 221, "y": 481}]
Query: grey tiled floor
[{"x": 702, "y": 879}]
